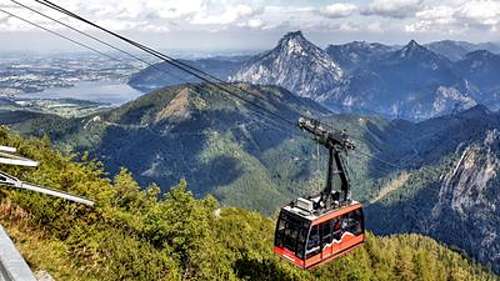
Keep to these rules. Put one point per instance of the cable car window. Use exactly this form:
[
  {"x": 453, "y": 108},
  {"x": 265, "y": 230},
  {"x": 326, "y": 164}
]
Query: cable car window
[
  {"x": 313, "y": 247},
  {"x": 301, "y": 240},
  {"x": 280, "y": 232},
  {"x": 353, "y": 222},
  {"x": 291, "y": 233},
  {"x": 326, "y": 233},
  {"x": 290, "y": 238},
  {"x": 337, "y": 228}
]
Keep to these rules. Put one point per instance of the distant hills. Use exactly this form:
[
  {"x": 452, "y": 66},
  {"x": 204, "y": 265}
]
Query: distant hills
[
  {"x": 162, "y": 74},
  {"x": 213, "y": 140},
  {"x": 481, "y": 69},
  {"x": 358, "y": 53},
  {"x": 219, "y": 144},
  {"x": 456, "y": 50},
  {"x": 413, "y": 82}
]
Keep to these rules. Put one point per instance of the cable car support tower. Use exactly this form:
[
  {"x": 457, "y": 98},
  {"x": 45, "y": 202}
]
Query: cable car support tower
[{"x": 338, "y": 144}]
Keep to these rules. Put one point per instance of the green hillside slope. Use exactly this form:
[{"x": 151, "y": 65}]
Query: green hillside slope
[
  {"x": 135, "y": 234},
  {"x": 214, "y": 141}
]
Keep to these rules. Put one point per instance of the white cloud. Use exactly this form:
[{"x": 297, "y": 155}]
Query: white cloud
[
  {"x": 4, "y": 18},
  {"x": 171, "y": 9},
  {"x": 480, "y": 12},
  {"x": 375, "y": 27},
  {"x": 436, "y": 13},
  {"x": 339, "y": 10},
  {"x": 433, "y": 18},
  {"x": 348, "y": 27},
  {"x": 480, "y": 17},
  {"x": 230, "y": 15},
  {"x": 255, "y": 23},
  {"x": 394, "y": 8},
  {"x": 454, "y": 18},
  {"x": 420, "y": 26},
  {"x": 291, "y": 18}
]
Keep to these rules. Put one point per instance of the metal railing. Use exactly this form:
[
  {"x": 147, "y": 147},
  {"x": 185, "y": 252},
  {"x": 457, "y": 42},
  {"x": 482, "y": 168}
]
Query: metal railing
[{"x": 12, "y": 265}]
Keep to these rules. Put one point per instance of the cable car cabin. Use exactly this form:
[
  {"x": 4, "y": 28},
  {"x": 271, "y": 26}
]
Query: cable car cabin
[
  {"x": 308, "y": 239},
  {"x": 319, "y": 229}
]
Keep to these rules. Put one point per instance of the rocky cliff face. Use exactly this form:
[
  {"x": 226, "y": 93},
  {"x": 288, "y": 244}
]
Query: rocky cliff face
[
  {"x": 412, "y": 83},
  {"x": 295, "y": 64},
  {"x": 467, "y": 213},
  {"x": 452, "y": 192},
  {"x": 481, "y": 69}
]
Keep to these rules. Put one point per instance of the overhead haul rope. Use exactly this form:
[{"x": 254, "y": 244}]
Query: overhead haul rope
[
  {"x": 195, "y": 86},
  {"x": 186, "y": 68},
  {"x": 182, "y": 66},
  {"x": 59, "y": 35},
  {"x": 94, "y": 38},
  {"x": 170, "y": 60}
]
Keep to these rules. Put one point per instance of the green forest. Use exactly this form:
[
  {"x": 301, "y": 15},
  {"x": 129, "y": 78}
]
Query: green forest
[{"x": 134, "y": 233}]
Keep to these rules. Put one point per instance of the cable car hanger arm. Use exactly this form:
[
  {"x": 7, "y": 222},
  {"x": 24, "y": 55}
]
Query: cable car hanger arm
[{"x": 337, "y": 143}]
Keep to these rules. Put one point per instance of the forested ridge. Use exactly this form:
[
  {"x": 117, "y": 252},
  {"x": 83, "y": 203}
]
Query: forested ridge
[{"x": 133, "y": 233}]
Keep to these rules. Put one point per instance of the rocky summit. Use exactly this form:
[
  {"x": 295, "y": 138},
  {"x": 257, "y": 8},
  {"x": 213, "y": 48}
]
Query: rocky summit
[{"x": 295, "y": 64}]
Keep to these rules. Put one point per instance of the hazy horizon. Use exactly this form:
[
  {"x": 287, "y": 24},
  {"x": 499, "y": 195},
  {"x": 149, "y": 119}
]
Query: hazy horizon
[{"x": 65, "y": 47}]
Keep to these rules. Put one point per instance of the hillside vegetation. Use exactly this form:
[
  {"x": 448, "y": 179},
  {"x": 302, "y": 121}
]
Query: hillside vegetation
[
  {"x": 453, "y": 201},
  {"x": 134, "y": 234},
  {"x": 219, "y": 144}
]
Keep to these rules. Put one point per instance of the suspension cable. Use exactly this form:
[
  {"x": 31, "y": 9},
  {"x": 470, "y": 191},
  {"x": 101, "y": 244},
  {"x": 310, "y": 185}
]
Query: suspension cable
[
  {"x": 116, "y": 48},
  {"x": 195, "y": 72},
  {"x": 59, "y": 35},
  {"x": 180, "y": 65}
]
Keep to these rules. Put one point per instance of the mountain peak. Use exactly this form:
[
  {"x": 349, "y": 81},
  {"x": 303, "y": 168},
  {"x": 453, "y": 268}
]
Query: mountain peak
[
  {"x": 294, "y": 42},
  {"x": 413, "y": 45},
  {"x": 413, "y": 49},
  {"x": 361, "y": 43},
  {"x": 295, "y": 64},
  {"x": 293, "y": 34}
]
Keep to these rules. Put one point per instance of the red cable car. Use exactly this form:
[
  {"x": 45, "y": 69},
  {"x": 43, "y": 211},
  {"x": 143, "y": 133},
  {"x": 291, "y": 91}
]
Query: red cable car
[{"x": 315, "y": 230}]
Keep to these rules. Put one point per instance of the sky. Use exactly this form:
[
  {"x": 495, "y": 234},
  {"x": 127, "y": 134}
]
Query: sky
[{"x": 258, "y": 24}]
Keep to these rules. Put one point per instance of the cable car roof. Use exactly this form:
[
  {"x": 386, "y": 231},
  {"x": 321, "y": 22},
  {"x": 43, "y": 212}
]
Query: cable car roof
[{"x": 316, "y": 217}]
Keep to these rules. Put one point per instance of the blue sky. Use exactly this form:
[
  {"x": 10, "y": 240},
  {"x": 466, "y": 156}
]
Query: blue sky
[{"x": 258, "y": 24}]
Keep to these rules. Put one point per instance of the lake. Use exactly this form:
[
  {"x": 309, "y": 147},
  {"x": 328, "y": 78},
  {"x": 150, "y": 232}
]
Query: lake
[{"x": 110, "y": 92}]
